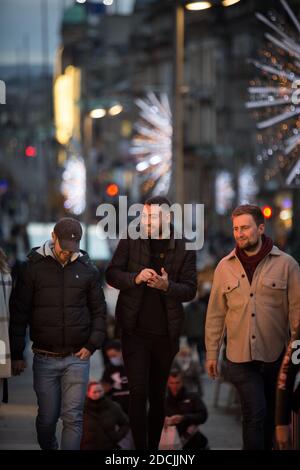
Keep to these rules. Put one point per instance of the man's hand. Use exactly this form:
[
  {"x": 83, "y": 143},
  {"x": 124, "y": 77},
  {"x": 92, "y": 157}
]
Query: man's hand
[
  {"x": 145, "y": 275},
  {"x": 283, "y": 437},
  {"x": 173, "y": 420},
  {"x": 166, "y": 422},
  {"x": 159, "y": 282},
  {"x": 212, "y": 368},
  {"x": 18, "y": 367},
  {"x": 83, "y": 354},
  {"x": 176, "y": 419}
]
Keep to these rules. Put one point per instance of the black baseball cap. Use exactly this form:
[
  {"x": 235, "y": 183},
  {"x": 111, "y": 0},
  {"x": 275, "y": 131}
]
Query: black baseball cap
[{"x": 69, "y": 233}]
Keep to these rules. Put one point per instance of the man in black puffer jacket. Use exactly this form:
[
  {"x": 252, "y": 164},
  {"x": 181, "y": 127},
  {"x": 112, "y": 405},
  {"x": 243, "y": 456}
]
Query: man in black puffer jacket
[
  {"x": 186, "y": 411},
  {"x": 154, "y": 274},
  {"x": 58, "y": 293}
]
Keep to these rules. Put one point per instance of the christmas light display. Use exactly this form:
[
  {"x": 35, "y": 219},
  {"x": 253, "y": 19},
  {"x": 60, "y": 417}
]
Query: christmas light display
[
  {"x": 224, "y": 192},
  {"x": 247, "y": 186},
  {"x": 275, "y": 96},
  {"x": 152, "y": 144},
  {"x": 74, "y": 184}
]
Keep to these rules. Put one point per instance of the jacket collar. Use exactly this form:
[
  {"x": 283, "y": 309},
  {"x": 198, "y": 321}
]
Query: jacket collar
[
  {"x": 275, "y": 251},
  {"x": 40, "y": 253},
  {"x": 47, "y": 250},
  {"x": 171, "y": 244}
]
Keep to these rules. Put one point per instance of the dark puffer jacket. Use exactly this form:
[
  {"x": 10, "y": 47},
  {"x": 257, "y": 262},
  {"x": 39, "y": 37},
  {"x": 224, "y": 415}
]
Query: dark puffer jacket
[
  {"x": 131, "y": 257},
  {"x": 64, "y": 306},
  {"x": 104, "y": 424},
  {"x": 187, "y": 404}
]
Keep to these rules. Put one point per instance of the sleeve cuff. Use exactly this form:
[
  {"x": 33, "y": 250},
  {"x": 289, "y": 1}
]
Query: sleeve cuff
[
  {"x": 134, "y": 275},
  {"x": 169, "y": 290},
  {"x": 90, "y": 347},
  {"x": 17, "y": 356},
  {"x": 212, "y": 355}
]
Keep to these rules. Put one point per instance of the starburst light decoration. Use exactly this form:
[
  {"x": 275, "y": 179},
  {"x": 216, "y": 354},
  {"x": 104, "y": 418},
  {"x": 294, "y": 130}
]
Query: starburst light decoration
[
  {"x": 275, "y": 96},
  {"x": 73, "y": 186},
  {"x": 152, "y": 143}
]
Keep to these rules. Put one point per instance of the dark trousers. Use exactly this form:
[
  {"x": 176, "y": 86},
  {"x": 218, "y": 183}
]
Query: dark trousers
[
  {"x": 147, "y": 361},
  {"x": 255, "y": 382}
]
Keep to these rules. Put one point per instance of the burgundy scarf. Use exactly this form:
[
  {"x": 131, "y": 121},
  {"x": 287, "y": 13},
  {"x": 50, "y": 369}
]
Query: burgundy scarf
[{"x": 250, "y": 262}]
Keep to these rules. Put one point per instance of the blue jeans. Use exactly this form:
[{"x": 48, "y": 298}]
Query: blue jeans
[
  {"x": 60, "y": 385},
  {"x": 255, "y": 382}
]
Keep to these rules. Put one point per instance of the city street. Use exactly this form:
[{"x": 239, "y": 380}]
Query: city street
[
  {"x": 17, "y": 418},
  {"x": 151, "y": 147}
]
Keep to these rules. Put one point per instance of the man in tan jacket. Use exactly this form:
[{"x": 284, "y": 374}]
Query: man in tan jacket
[{"x": 255, "y": 305}]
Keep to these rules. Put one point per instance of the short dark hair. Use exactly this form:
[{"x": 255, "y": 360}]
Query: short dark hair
[
  {"x": 176, "y": 373},
  {"x": 157, "y": 200},
  {"x": 250, "y": 209},
  {"x": 91, "y": 384},
  {"x": 112, "y": 344}
]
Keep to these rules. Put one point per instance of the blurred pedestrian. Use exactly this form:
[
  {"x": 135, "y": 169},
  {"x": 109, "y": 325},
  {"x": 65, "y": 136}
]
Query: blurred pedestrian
[
  {"x": 186, "y": 411},
  {"x": 255, "y": 297},
  {"x": 114, "y": 375},
  {"x": 288, "y": 392},
  {"x": 58, "y": 293},
  {"x": 194, "y": 324},
  {"x": 104, "y": 422},
  {"x": 155, "y": 274},
  {"x": 5, "y": 291},
  {"x": 188, "y": 364}
]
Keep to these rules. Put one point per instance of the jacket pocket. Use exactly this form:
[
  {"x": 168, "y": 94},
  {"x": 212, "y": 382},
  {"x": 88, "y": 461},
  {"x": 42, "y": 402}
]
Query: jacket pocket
[
  {"x": 275, "y": 284},
  {"x": 232, "y": 291},
  {"x": 273, "y": 291}
]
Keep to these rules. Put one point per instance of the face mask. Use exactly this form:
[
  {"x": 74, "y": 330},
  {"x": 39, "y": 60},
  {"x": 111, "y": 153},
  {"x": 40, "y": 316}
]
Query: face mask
[
  {"x": 184, "y": 362},
  {"x": 116, "y": 361}
]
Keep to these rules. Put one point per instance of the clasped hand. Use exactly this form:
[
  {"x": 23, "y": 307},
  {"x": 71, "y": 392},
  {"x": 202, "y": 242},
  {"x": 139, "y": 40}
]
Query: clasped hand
[{"x": 153, "y": 279}]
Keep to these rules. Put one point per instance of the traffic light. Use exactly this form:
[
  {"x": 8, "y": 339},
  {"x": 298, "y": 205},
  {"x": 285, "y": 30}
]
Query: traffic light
[
  {"x": 267, "y": 211},
  {"x": 30, "y": 151},
  {"x": 112, "y": 190}
]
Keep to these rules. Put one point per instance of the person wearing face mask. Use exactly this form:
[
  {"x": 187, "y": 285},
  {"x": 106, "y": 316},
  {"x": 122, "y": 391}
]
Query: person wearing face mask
[
  {"x": 104, "y": 423},
  {"x": 190, "y": 370},
  {"x": 114, "y": 375}
]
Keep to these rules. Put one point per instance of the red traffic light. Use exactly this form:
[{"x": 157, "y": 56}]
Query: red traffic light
[
  {"x": 267, "y": 211},
  {"x": 30, "y": 151},
  {"x": 112, "y": 190}
]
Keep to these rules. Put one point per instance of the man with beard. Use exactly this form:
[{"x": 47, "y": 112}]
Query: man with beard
[
  {"x": 155, "y": 274},
  {"x": 58, "y": 293},
  {"x": 255, "y": 301}
]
